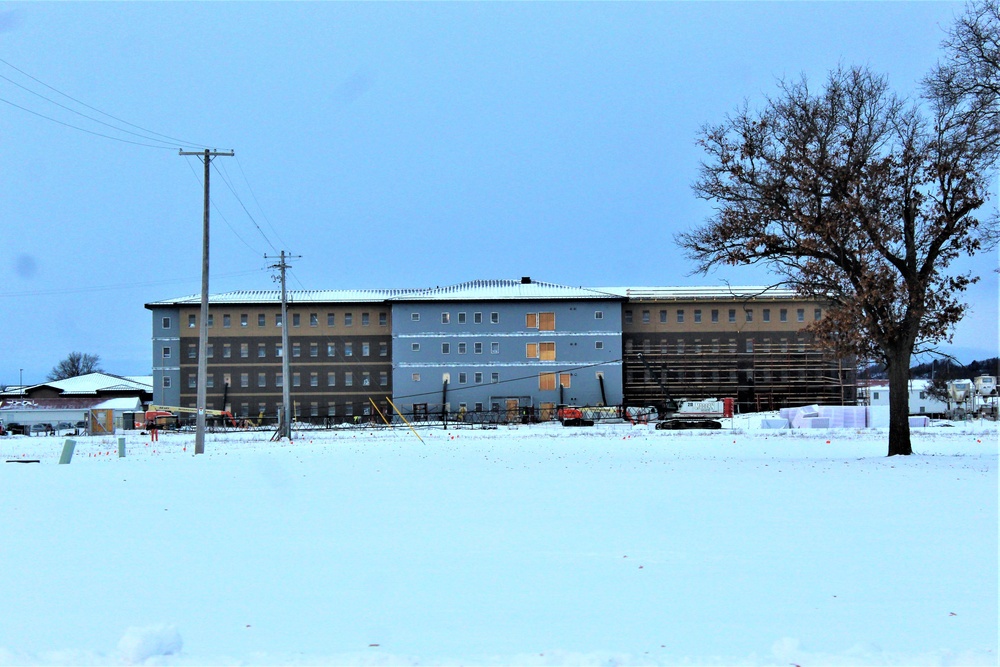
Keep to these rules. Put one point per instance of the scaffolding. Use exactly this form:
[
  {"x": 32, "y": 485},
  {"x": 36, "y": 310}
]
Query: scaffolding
[{"x": 768, "y": 377}]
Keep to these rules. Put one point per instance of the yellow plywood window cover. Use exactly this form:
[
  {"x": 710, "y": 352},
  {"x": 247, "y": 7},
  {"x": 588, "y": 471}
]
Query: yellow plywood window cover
[
  {"x": 564, "y": 380},
  {"x": 546, "y": 381},
  {"x": 531, "y": 320},
  {"x": 547, "y": 351},
  {"x": 546, "y": 321},
  {"x": 531, "y": 350}
]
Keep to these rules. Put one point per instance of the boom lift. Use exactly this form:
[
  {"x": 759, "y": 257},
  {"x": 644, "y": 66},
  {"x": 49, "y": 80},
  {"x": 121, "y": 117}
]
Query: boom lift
[{"x": 165, "y": 416}]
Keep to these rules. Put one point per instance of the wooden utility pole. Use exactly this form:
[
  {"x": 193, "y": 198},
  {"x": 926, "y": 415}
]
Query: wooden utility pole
[
  {"x": 199, "y": 438},
  {"x": 285, "y": 424}
]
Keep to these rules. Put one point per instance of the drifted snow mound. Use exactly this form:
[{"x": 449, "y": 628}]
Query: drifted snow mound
[{"x": 140, "y": 644}]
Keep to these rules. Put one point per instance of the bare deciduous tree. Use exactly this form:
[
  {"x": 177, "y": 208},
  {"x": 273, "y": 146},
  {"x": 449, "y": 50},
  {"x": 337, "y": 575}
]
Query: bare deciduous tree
[
  {"x": 77, "y": 363},
  {"x": 850, "y": 194}
]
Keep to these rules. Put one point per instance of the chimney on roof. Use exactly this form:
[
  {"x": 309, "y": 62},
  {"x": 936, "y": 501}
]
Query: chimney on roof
[{"x": 525, "y": 280}]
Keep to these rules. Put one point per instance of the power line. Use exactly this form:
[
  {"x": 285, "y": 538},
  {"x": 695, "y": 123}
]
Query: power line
[
  {"x": 225, "y": 179},
  {"x": 224, "y": 218},
  {"x": 252, "y": 194},
  {"x": 120, "y": 286},
  {"x": 84, "y": 104}
]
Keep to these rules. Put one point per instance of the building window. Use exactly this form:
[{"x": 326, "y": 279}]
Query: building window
[
  {"x": 331, "y": 379},
  {"x": 461, "y": 348},
  {"x": 463, "y": 378},
  {"x": 477, "y": 318},
  {"x": 278, "y": 350},
  {"x": 547, "y": 351},
  {"x": 414, "y": 317},
  {"x": 348, "y": 319},
  {"x": 564, "y": 380},
  {"x": 279, "y": 380},
  {"x": 749, "y": 314},
  {"x": 478, "y": 378},
  {"x": 165, "y": 323},
  {"x": 531, "y": 350},
  {"x": 331, "y": 319},
  {"x": 192, "y": 321},
  {"x": 365, "y": 349},
  {"x": 366, "y": 379},
  {"x": 546, "y": 381},
  {"x": 211, "y": 350},
  {"x": 766, "y": 315},
  {"x": 261, "y": 351},
  {"x": 166, "y": 353},
  {"x": 227, "y": 321},
  {"x": 296, "y": 379},
  {"x": 314, "y": 349},
  {"x": 494, "y": 377},
  {"x": 364, "y": 319},
  {"x": 244, "y": 350},
  {"x": 296, "y": 350},
  {"x": 461, "y": 318},
  {"x": 415, "y": 377},
  {"x": 277, "y": 319},
  {"x": 732, "y": 314},
  {"x": 192, "y": 381},
  {"x": 383, "y": 349},
  {"x": 244, "y": 380},
  {"x": 414, "y": 347},
  {"x": 697, "y": 316},
  {"x": 296, "y": 319},
  {"x": 495, "y": 348},
  {"x": 599, "y": 345},
  {"x": 383, "y": 319},
  {"x": 331, "y": 349},
  {"x": 262, "y": 320},
  {"x": 531, "y": 321},
  {"x": 749, "y": 344},
  {"x": 445, "y": 348},
  {"x": 166, "y": 382},
  {"x": 244, "y": 320},
  {"x": 598, "y": 314},
  {"x": 348, "y": 349},
  {"x": 477, "y": 348},
  {"x": 783, "y": 314},
  {"x": 227, "y": 351},
  {"x": 800, "y": 315},
  {"x": 818, "y": 314},
  {"x": 680, "y": 316},
  {"x": 348, "y": 378},
  {"x": 211, "y": 320},
  {"x": 314, "y": 319},
  {"x": 210, "y": 381},
  {"x": 383, "y": 378},
  {"x": 494, "y": 318},
  {"x": 715, "y": 315}
]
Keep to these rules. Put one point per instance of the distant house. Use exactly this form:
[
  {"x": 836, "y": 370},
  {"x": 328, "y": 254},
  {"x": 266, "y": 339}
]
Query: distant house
[
  {"x": 921, "y": 403},
  {"x": 72, "y": 403}
]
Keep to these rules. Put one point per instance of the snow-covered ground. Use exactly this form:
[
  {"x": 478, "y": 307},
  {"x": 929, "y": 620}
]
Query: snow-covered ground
[{"x": 540, "y": 545}]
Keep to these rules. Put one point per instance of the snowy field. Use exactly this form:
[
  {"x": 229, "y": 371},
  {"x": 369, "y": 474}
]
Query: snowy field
[{"x": 612, "y": 545}]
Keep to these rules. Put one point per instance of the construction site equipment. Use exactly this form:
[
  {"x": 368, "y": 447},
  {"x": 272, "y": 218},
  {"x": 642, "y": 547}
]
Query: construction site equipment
[
  {"x": 687, "y": 414},
  {"x": 165, "y": 416},
  {"x": 572, "y": 415}
]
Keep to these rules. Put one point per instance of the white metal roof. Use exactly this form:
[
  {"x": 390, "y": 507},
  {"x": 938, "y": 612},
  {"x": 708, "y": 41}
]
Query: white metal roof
[{"x": 294, "y": 296}]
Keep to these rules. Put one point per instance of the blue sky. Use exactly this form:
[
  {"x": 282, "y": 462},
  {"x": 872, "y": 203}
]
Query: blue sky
[{"x": 387, "y": 144}]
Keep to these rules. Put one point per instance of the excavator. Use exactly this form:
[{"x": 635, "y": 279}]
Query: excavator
[{"x": 687, "y": 414}]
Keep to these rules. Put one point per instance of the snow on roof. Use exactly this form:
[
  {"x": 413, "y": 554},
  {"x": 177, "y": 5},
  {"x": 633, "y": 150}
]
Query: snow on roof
[
  {"x": 294, "y": 296},
  {"x": 715, "y": 293},
  {"x": 481, "y": 290},
  {"x": 92, "y": 383},
  {"x": 525, "y": 288}
]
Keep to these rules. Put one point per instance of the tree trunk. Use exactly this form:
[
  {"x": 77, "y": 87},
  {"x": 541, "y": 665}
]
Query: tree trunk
[{"x": 899, "y": 403}]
